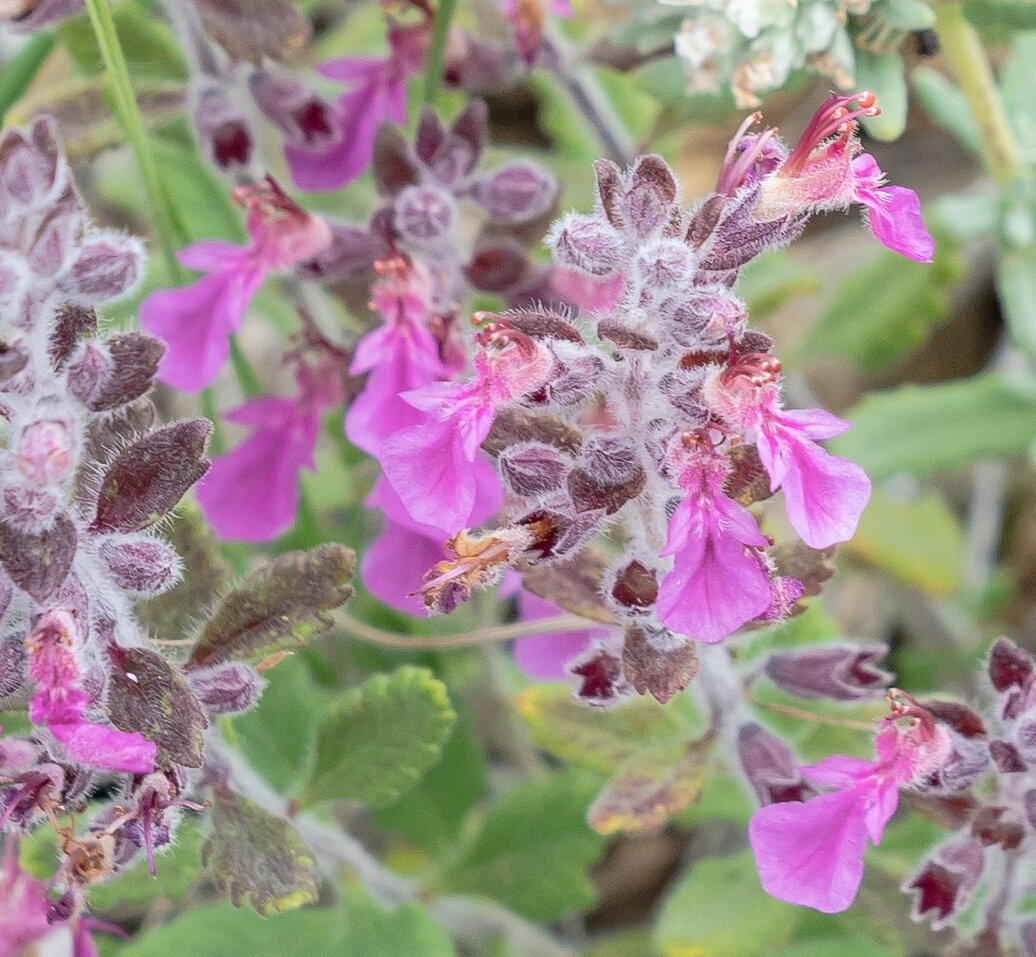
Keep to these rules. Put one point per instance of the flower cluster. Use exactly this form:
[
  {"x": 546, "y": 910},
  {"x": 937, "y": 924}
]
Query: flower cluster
[
  {"x": 84, "y": 477},
  {"x": 657, "y": 417}
]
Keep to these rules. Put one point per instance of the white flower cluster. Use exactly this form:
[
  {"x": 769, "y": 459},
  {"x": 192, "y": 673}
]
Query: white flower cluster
[{"x": 752, "y": 46}]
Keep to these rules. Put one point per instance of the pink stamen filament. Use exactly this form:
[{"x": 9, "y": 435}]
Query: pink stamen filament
[{"x": 833, "y": 117}]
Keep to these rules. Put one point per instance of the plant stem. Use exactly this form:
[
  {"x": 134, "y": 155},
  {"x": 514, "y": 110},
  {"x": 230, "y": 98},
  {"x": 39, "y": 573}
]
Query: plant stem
[
  {"x": 963, "y": 49},
  {"x": 519, "y": 629},
  {"x": 20, "y": 72},
  {"x": 437, "y": 51},
  {"x": 133, "y": 125}
]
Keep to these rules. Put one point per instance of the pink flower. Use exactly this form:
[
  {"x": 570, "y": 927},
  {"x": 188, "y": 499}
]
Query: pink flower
[
  {"x": 251, "y": 494},
  {"x": 824, "y": 495},
  {"x": 826, "y": 171},
  {"x": 434, "y": 466},
  {"x": 196, "y": 321},
  {"x": 59, "y": 702},
  {"x": 894, "y": 213},
  {"x": 545, "y": 656},
  {"x": 718, "y": 581},
  {"x": 23, "y": 906},
  {"x": 811, "y": 853},
  {"x": 377, "y": 94},
  {"x": 400, "y": 355},
  {"x": 395, "y": 563}
]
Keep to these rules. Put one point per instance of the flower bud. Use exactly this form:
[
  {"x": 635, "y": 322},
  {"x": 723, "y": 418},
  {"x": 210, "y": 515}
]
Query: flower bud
[
  {"x": 45, "y": 451},
  {"x": 770, "y": 767},
  {"x": 517, "y": 193},
  {"x": 602, "y": 680},
  {"x": 587, "y": 244},
  {"x": 533, "y": 469},
  {"x": 227, "y": 690},
  {"x": 424, "y": 214},
  {"x": 304, "y": 115},
  {"x": 147, "y": 566},
  {"x": 88, "y": 370},
  {"x": 223, "y": 129},
  {"x": 947, "y": 880},
  {"x": 1009, "y": 665},
  {"x": 106, "y": 269},
  {"x": 841, "y": 673},
  {"x": 634, "y": 588}
]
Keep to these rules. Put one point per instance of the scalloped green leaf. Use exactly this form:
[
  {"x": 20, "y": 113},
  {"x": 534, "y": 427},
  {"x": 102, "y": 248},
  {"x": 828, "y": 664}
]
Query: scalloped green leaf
[
  {"x": 533, "y": 849},
  {"x": 279, "y": 608},
  {"x": 377, "y": 740},
  {"x": 258, "y": 857}
]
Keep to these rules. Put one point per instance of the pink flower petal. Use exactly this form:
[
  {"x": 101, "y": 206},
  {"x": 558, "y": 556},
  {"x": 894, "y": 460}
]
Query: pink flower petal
[
  {"x": 545, "y": 656},
  {"x": 102, "y": 747}
]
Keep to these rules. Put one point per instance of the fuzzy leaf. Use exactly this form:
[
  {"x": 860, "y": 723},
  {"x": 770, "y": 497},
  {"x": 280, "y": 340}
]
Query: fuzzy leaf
[
  {"x": 379, "y": 739},
  {"x": 651, "y": 789},
  {"x": 923, "y": 429},
  {"x": 135, "y": 357},
  {"x": 278, "y": 608},
  {"x": 38, "y": 562},
  {"x": 533, "y": 850},
  {"x": 150, "y": 476},
  {"x": 147, "y": 694},
  {"x": 258, "y": 857}
]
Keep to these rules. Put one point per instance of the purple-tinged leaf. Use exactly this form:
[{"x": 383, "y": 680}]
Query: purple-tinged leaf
[
  {"x": 135, "y": 357},
  {"x": 657, "y": 662},
  {"x": 147, "y": 479},
  {"x": 38, "y": 562},
  {"x": 278, "y": 608},
  {"x": 840, "y": 673},
  {"x": 1009, "y": 665},
  {"x": 72, "y": 324}
]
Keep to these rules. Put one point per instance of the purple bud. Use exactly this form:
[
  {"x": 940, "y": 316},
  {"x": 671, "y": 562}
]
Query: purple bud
[
  {"x": 602, "y": 681},
  {"x": 44, "y": 451},
  {"x": 1009, "y": 665},
  {"x": 223, "y": 129},
  {"x": 1006, "y": 757},
  {"x": 227, "y": 690},
  {"x": 147, "y": 566},
  {"x": 497, "y": 268},
  {"x": 635, "y": 587},
  {"x": 304, "y": 115},
  {"x": 611, "y": 475},
  {"x": 424, "y": 215},
  {"x": 55, "y": 244},
  {"x": 393, "y": 165},
  {"x": 558, "y": 535},
  {"x": 841, "y": 673},
  {"x": 106, "y": 269},
  {"x": 29, "y": 164},
  {"x": 997, "y": 825},
  {"x": 770, "y": 767},
  {"x": 88, "y": 370},
  {"x": 663, "y": 267},
  {"x": 13, "y": 358},
  {"x": 947, "y": 880},
  {"x": 533, "y": 469},
  {"x": 517, "y": 193},
  {"x": 586, "y": 244},
  {"x": 352, "y": 252}
]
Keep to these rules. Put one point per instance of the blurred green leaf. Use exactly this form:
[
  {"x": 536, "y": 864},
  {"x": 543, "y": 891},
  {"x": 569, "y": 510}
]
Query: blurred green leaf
[
  {"x": 1018, "y": 83},
  {"x": 925, "y": 429},
  {"x": 1002, "y": 14},
  {"x": 964, "y": 215},
  {"x": 771, "y": 280},
  {"x": 1016, "y": 286},
  {"x": 378, "y": 740},
  {"x": 357, "y": 927},
  {"x": 258, "y": 857},
  {"x": 842, "y": 946},
  {"x": 277, "y": 736},
  {"x": 883, "y": 75},
  {"x": 533, "y": 849},
  {"x": 596, "y": 739},
  {"x": 907, "y": 15},
  {"x": 282, "y": 606},
  {"x": 947, "y": 106},
  {"x": 718, "y": 909},
  {"x": 919, "y": 542},
  {"x": 432, "y": 813},
  {"x": 150, "y": 48},
  {"x": 887, "y": 308}
]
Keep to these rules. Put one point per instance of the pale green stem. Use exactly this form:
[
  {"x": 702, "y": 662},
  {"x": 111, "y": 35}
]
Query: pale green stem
[
  {"x": 132, "y": 124},
  {"x": 963, "y": 50},
  {"x": 437, "y": 51}
]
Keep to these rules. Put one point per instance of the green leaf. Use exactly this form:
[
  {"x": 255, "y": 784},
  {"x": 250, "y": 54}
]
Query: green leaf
[
  {"x": 533, "y": 849},
  {"x": 842, "y": 946},
  {"x": 1018, "y": 85},
  {"x": 258, "y": 857},
  {"x": 948, "y": 106},
  {"x": 919, "y": 542},
  {"x": 432, "y": 813},
  {"x": 151, "y": 50},
  {"x": 277, "y": 735},
  {"x": 925, "y": 429},
  {"x": 964, "y": 215},
  {"x": 887, "y": 308},
  {"x": 773, "y": 279},
  {"x": 357, "y": 927},
  {"x": 377, "y": 740},
  {"x": 908, "y": 15},
  {"x": 1016, "y": 286},
  {"x": 1001, "y": 14},
  {"x": 883, "y": 75},
  {"x": 280, "y": 607},
  {"x": 718, "y": 908},
  {"x": 601, "y": 740}
]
